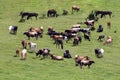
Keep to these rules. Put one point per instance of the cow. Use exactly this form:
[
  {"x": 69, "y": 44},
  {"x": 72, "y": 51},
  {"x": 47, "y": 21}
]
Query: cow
[
  {"x": 44, "y": 52},
  {"x": 31, "y": 34},
  {"x": 13, "y": 29},
  {"x": 52, "y": 13},
  {"x": 78, "y": 59},
  {"x": 103, "y": 13},
  {"x": 67, "y": 54},
  {"x": 100, "y": 28},
  {"x": 108, "y": 40},
  {"x": 101, "y": 37},
  {"x": 89, "y": 23},
  {"x": 28, "y": 15},
  {"x": 86, "y": 63},
  {"x": 109, "y": 25},
  {"x": 75, "y": 8},
  {"x": 24, "y": 54},
  {"x": 99, "y": 52},
  {"x": 32, "y": 46},
  {"x": 55, "y": 57},
  {"x": 24, "y": 44}
]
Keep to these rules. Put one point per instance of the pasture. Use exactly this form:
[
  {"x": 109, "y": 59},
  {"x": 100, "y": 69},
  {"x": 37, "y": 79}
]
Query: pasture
[{"x": 33, "y": 68}]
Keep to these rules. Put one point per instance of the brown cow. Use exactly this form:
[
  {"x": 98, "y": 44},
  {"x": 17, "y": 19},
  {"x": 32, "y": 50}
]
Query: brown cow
[
  {"x": 24, "y": 43},
  {"x": 109, "y": 25}
]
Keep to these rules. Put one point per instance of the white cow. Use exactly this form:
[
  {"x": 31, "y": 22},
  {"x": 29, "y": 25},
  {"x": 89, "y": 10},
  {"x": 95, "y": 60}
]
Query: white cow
[
  {"x": 23, "y": 54},
  {"x": 32, "y": 46}
]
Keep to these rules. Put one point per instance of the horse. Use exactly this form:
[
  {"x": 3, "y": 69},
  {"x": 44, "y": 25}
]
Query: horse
[
  {"x": 28, "y": 15},
  {"x": 13, "y": 29},
  {"x": 75, "y": 8},
  {"x": 103, "y": 13},
  {"x": 52, "y": 13}
]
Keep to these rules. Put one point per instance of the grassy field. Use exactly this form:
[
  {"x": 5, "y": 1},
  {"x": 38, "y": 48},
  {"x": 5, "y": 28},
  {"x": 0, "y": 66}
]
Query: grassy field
[{"x": 12, "y": 68}]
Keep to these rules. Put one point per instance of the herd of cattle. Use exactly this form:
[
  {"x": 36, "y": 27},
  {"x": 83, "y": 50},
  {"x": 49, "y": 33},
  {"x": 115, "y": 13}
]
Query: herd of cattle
[{"x": 75, "y": 34}]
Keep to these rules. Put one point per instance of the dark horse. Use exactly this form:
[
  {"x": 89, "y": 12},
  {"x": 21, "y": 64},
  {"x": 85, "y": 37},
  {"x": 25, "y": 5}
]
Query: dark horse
[
  {"x": 52, "y": 13},
  {"x": 103, "y": 13},
  {"x": 28, "y": 15}
]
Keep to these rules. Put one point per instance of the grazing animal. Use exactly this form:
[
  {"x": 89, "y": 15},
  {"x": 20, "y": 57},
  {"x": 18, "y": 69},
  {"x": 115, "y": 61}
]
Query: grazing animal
[
  {"x": 108, "y": 40},
  {"x": 43, "y": 52},
  {"x": 67, "y": 54},
  {"x": 75, "y": 8},
  {"x": 32, "y": 46},
  {"x": 109, "y": 25},
  {"x": 75, "y": 41},
  {"x": 78, "y": 59},
  {"x": 31, "y": 34},
  {"x": 86, "y": 63},
  {"x": 101, "y": 37},
  {"x": 55, "y": 57},
  {"x": 100, "y": 28},
  {"x": 38, "y": 30},
  {"x": 59, "y": 42},
  {"x": 28, "y": 15},
  {"x": 76, "y": 27},
  {"x": 24, "y": 44},
  {"x": 65, "y": 12},
  {"x": 17, "y": 53},
  {"x": 86, "y": 36},
  {"x": 13, "y": 29},
  {"x": 89, "y": 23},
  {"x": 99, "y": 52},
  {"x": 23, "y": 54},
  {"x": 103, "y": 13},
  {"x": 52, "y": 13}
]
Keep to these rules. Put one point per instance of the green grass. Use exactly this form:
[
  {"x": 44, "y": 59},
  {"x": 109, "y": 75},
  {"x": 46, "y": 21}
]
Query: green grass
[{"x": 12, "y": 68}]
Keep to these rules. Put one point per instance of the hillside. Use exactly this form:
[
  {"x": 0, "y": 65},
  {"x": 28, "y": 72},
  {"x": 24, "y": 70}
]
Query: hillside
[{"x": 33, "y": 68}]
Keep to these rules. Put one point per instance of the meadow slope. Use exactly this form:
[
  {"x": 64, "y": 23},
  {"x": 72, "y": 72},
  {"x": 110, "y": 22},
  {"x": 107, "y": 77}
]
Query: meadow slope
[{"x": 12, "y": 68}]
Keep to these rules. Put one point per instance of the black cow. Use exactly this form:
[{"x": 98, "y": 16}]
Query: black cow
[
  {"x": 103, "y": 13},
  {"x": 28, "y": 15},
  {"x": 100, "y": 28},
  {"x": 67, "y": 54},
  {"x": 52, "y": 13}
]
